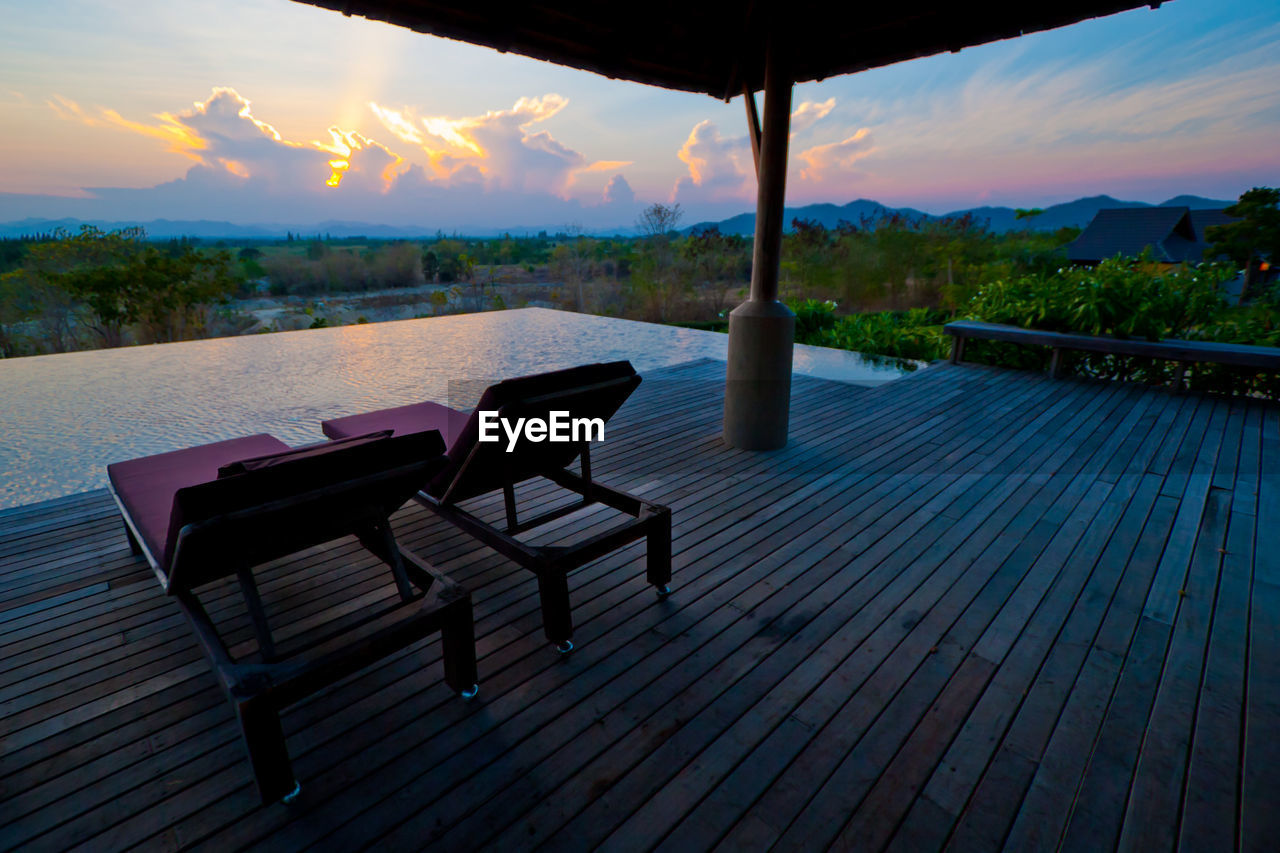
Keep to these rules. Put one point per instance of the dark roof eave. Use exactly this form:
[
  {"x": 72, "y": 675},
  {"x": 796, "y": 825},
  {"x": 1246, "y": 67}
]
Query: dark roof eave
[{"x": 717, "y": 47}]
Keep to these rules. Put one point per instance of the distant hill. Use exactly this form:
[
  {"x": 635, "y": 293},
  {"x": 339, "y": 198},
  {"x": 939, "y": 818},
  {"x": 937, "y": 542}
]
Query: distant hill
[
  {"x": 998, "y": 219},
  {"x": 160, "y": 228},
  {"x": 1076, "y": 213},
  {"x": 829, "y": 215},
  {"x": 207, "y": 229}
]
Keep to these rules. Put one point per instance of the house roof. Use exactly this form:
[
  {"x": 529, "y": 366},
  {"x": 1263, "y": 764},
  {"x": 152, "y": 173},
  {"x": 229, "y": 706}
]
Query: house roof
[
  {"x": 1202, "y": 219},
  {"x": 716, "y": 46},
  {"x": 1174, "y": 234}
]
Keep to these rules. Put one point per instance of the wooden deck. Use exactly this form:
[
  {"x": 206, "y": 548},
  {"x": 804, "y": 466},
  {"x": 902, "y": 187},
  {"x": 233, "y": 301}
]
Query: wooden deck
[{"x": 974, "y": 608}]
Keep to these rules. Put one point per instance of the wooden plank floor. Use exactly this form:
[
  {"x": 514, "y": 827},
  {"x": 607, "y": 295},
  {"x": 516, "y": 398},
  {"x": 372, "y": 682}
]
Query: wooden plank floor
[{"x": 972, "y": 609}]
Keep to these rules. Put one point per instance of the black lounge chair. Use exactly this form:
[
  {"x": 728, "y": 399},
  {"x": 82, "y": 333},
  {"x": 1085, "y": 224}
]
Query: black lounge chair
[
  {"x": 476, "y": 468},
  {"x": 209, "y": 512}
]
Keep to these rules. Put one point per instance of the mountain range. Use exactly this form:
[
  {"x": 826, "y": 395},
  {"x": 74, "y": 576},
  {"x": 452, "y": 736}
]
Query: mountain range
[
  {"x": 1076, "y": 213},
  {"x": 999, "y": 219}
]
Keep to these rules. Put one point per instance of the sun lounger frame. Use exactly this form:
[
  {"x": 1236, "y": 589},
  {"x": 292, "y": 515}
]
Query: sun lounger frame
[
  {"x": 552, "y": 563},
  {"x": 258, "y": 691}
]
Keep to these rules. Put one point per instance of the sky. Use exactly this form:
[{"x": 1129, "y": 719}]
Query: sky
[{"x": 275, "y": 112}]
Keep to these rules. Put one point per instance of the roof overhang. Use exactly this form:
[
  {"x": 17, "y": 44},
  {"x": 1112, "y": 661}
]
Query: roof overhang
[{"x": 718, "y": 48}]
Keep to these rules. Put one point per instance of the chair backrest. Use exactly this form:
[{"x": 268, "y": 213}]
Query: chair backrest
[
  {"x": 269, "y": 511},
  {"x": 474, "y": 467}
]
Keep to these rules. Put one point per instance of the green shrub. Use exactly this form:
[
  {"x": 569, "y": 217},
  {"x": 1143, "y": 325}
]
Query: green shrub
[
  {"x": 1117, "y": 298},
  {"x": 915, "y": 334},
  {"x": 1125, "y": 298},
  {"x": 813, "y": 318}
]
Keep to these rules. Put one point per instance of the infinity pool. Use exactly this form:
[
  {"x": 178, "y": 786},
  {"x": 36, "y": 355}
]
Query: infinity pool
[{"x": 64, "y": 417}]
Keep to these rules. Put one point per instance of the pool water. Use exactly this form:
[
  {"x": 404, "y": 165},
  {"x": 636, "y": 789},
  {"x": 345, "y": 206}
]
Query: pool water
[{"x": 64, "y": 417}]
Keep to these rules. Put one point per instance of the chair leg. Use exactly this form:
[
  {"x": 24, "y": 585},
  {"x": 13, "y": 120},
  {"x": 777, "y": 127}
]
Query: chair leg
[
  {"x": 258, "y": 616},
  {"x": 458, "y": 644},
  {"x": 557, "y": 621},
  {"x": 268, "y": 754},
  {"x": 133, "y": 541},
  {"x": 658, "y": 552}
]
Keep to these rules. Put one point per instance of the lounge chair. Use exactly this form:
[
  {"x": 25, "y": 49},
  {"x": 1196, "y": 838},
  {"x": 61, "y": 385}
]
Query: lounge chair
[
  {"x": 209, "y": 512},
  {"x": 476, "y": 468}
]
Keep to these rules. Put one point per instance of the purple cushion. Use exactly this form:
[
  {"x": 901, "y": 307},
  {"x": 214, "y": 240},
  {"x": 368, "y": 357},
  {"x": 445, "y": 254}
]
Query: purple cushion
[
  {"x": 146, "y": 486},
  {"x": 401, "y": 420},
  {"x": 290, "y": 475},
  {"x": 492, "y": 466},
  {"x": 271, "y": 460}
]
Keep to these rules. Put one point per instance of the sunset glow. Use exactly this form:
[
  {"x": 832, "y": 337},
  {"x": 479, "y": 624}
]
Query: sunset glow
[{"x": 1142, "y": 105}]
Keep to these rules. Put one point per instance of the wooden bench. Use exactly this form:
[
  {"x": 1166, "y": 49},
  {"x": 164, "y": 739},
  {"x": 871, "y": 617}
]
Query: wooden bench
[{"x": 1183, "y": 352}]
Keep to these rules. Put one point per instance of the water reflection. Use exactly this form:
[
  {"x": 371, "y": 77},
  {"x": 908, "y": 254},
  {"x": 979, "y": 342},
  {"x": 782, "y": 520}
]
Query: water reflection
[{"x": 64, "y": 417}]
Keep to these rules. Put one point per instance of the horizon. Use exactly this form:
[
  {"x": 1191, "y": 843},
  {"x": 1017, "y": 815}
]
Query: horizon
[
  {"x": 347, "y": 229},
  {"x": 353, "y": 120}
]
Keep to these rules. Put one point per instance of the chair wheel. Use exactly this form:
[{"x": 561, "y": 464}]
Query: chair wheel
[
  {"x": 292, "y": 795},
  {"x": 470, "y": 692},
  {"x": 564, "y": 646},
  {"x": 664, "y": 590}
]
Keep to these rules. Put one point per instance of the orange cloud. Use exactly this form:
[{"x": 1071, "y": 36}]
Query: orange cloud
[
  {"x": 180, "y": 139},
  {"x": 719, "y": 167},
  {"x": 244, "y": 145},
  {"x": 346, "y": 144},
  {"x": 821, "y": 161},
  {"x": 605, "y": 166},
  {"x": 397, "y": 122},
  {"x": 447, "y": 141},
  {"x": 500, "y": 147},
  {"x": 498, "y": 150},
  {"x": 808, "y": 113}
]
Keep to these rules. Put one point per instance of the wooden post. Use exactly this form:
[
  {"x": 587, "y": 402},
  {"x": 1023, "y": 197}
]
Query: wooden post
[
  {"x": 757, "y": 399},
  {"x": 771, "y": 195},
  {"x": 957, "y": 349},
  {"x": 1055, "y": 363},
  {"x": 753, "y": 126}
]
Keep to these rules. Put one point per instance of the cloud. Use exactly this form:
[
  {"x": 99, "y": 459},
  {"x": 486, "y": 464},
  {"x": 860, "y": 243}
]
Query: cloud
[
  {"x": 720, "y": 168},
  {"x": 467, "y": 170},
  {"x": 504, "y": 147},
  {"x": 398, "y": 123},
  {"x": 220, "y": 132},
  {"x": 618, "y": 192},
  {"x": 170, "y": 130},
  {"x": 834, "y": 159},
  {"x": 1021, "y": 126},
  {"x": 359, "y": 160},
  {"x": 809, "y": 113}
]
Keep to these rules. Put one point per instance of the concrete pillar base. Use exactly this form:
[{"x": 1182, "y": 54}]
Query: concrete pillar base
[{"x": 757, "y": 394}]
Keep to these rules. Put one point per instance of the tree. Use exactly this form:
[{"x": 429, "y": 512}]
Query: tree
[
  {"x": 715, "y": 259},
  {"x": 1254, "y": 237},
  {"x": 439, "y": 301},
  {"x": 659, "y": 220},
  {"x": 572, "y": 259},
  {"x": 467, "y": 272},
  {"x": 655, "y": 276},
  {"x": 430, "y": 265},
  {"x": 59, "y": 270},
  {"x": 123, "y": 280},
  {"x": 14, "y": 311}
]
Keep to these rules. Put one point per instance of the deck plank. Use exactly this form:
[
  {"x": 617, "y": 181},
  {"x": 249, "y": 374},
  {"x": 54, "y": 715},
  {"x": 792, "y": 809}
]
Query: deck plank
[{"x": 974, "y": 607}]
